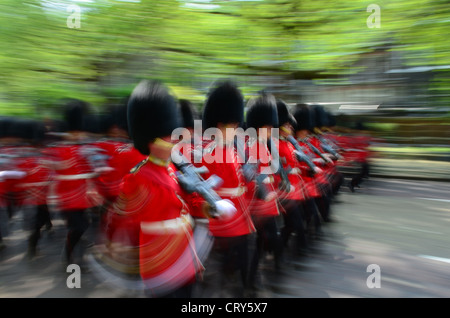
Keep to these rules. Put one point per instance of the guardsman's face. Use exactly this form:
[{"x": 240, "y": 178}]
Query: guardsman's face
[
  {"x": 265, "y": 132},
  {"x": 161, "y": 148},
  {"x": 228, "y": 131}
]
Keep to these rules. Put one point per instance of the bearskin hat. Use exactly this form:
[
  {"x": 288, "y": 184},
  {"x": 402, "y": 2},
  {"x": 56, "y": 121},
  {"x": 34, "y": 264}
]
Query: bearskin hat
[
  {"x": 224, "y": 104},
  {"x": 26, "y": 129},
  {"x": 331, "y": 121},
  {"x": 74, "y": 114},
  {"x": 262, "y": 111},
  {"x": 91, "y": 123},
  {"x": 302, "y": 115},
  {"x": 119, "y": 116},
  {"x": 152, "y": 113},
  {"x": 320, "y": 116},
  {"x": 20, "y": 128},
  {"x": 284, "y": 115},
  {"x": 4, "y": 126},
  {"x": 188, "y": 113}
]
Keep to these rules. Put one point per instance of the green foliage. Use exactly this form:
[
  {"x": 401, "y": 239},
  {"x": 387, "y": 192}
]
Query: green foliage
[{"x": 190, "y": 44}]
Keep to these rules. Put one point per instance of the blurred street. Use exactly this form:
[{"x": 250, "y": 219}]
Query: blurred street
[{"x": 399, "y": 225}]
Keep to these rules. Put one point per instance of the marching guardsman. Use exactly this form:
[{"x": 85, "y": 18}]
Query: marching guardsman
[
  {"x": 223, "y": 113},
  {"x": 292, "y": 200},
  {"x": 36, "y": 183},
  {"x": 313, "y": 176},
  {"x": 262, "y": 190},
  {"x": 119, "y": 153},
  {"x": 319, "y": 140},
  {"x": 72, "y": 176},
  {"x": 152, "y": 207},
  {"x": 354, "y": 148},
  {"x": 15, "y": 145},
  {"x": 10, "y": 171},
  {"x": 306, "y": 124}
]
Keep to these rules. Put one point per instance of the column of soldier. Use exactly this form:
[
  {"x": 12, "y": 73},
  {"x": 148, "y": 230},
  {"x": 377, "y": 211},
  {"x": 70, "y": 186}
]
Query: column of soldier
[{"x": 168, "y": 219}]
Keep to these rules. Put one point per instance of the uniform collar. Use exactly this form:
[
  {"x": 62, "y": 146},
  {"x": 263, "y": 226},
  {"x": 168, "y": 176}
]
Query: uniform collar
[{"x": 158, "y": 161}]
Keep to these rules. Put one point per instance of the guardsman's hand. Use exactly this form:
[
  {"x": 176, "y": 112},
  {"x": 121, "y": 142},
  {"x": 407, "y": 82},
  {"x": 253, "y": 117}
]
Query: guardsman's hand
[{"x": 225, "y": 208}]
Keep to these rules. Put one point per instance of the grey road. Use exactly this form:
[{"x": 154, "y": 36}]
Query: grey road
[{"x": 389, "y": 239}]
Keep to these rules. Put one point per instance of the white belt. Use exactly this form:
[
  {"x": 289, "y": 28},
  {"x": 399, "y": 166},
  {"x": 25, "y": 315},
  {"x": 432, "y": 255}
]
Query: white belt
[
  {"x": 76, "y": 176},
  {"x": 168, "y": 226},
  {"x": 231, "y": 192}
]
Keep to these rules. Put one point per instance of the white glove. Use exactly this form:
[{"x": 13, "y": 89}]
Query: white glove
[
  {"x": 317, "y": 170},
  {"x": 225, "y": 209},
  {"x": 319, "y": 161}
]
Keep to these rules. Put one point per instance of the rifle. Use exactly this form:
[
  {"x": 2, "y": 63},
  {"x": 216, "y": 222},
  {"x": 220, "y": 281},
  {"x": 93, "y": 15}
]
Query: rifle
[
  {"x": 249, "y": 170},
  {"x": 285, "y": 184},
  {"x": 191, "y": 180},
  {"x": 96, "y": 156},
  {"x": 316, "y": 151},
  {"x": 300, "y": 154},
  {"x": 327, "y": 147}
]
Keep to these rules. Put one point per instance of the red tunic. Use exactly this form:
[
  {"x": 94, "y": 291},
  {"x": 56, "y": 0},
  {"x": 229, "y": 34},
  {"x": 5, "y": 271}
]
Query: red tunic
[
  {"x": 152, "y": 203},
  {"x": 321, "y": 179},
  {"x": 329, "y": 169},
  {"x": 286, "y": 153},
  {"x": 122, "y": 158},
  {"x": 36, "y": 183},
  {"x": 312, "y": 182},
  {"x": 10, "y": 189},
  {"x": 72, "y": 180},
  {"x": 258, "y": 207},
  {"x": 224, "y": 162}
]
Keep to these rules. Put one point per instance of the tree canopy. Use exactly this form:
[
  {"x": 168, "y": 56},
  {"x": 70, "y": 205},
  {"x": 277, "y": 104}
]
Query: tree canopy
[{"x": 97, "y": 50}]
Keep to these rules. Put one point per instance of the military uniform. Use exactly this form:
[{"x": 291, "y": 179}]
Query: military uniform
[
  {"x": 72, "y": 193},
  {"x": 225, "y": 105},
  {"x": 263, "y": 192},
  {"x": 295, "y": 221},
  {"x": 150, "y": 221}
]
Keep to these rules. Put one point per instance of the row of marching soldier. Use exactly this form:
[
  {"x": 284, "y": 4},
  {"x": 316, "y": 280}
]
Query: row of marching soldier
[{"x": 172, "y": 210}]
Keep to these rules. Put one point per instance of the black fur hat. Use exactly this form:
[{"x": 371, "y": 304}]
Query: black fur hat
[
  {"x": 26, "y": 129},
  {"x": 302, "y": 115},
  {"x": 284, "y": 115},
  {"x": 39, "y": 130},
  {"x": 152, "y": 113},
  {"x": 116, "y": 116},
  {"x": 188, "y": 113},
  {"x": 262, "y": 111},
  {"x": 224, "y": 104},
  {"x": 92, "y": 123},
  {"x": 320, "y": 116},
  {"x": 331, "y": 122},
  {"x": 74, "y": 113},
  {"x": 120, "y": 114},
  {"x": 4, "y": 126}
]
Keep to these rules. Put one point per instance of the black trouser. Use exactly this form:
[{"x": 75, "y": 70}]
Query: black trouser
[
  {"x": 267, "y": 238},
  {"x": 77, "y": 224},
  {"x": 363, "y": 173},
  {"x": 41, "y": 218},
  {"x": 294, "y": 223},
  {"x": 234, "y": 255},
  {"x": 312, "y": 215}
]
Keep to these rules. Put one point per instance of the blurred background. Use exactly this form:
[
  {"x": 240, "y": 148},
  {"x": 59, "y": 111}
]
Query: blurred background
[{"x": 380, "y": 66}]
